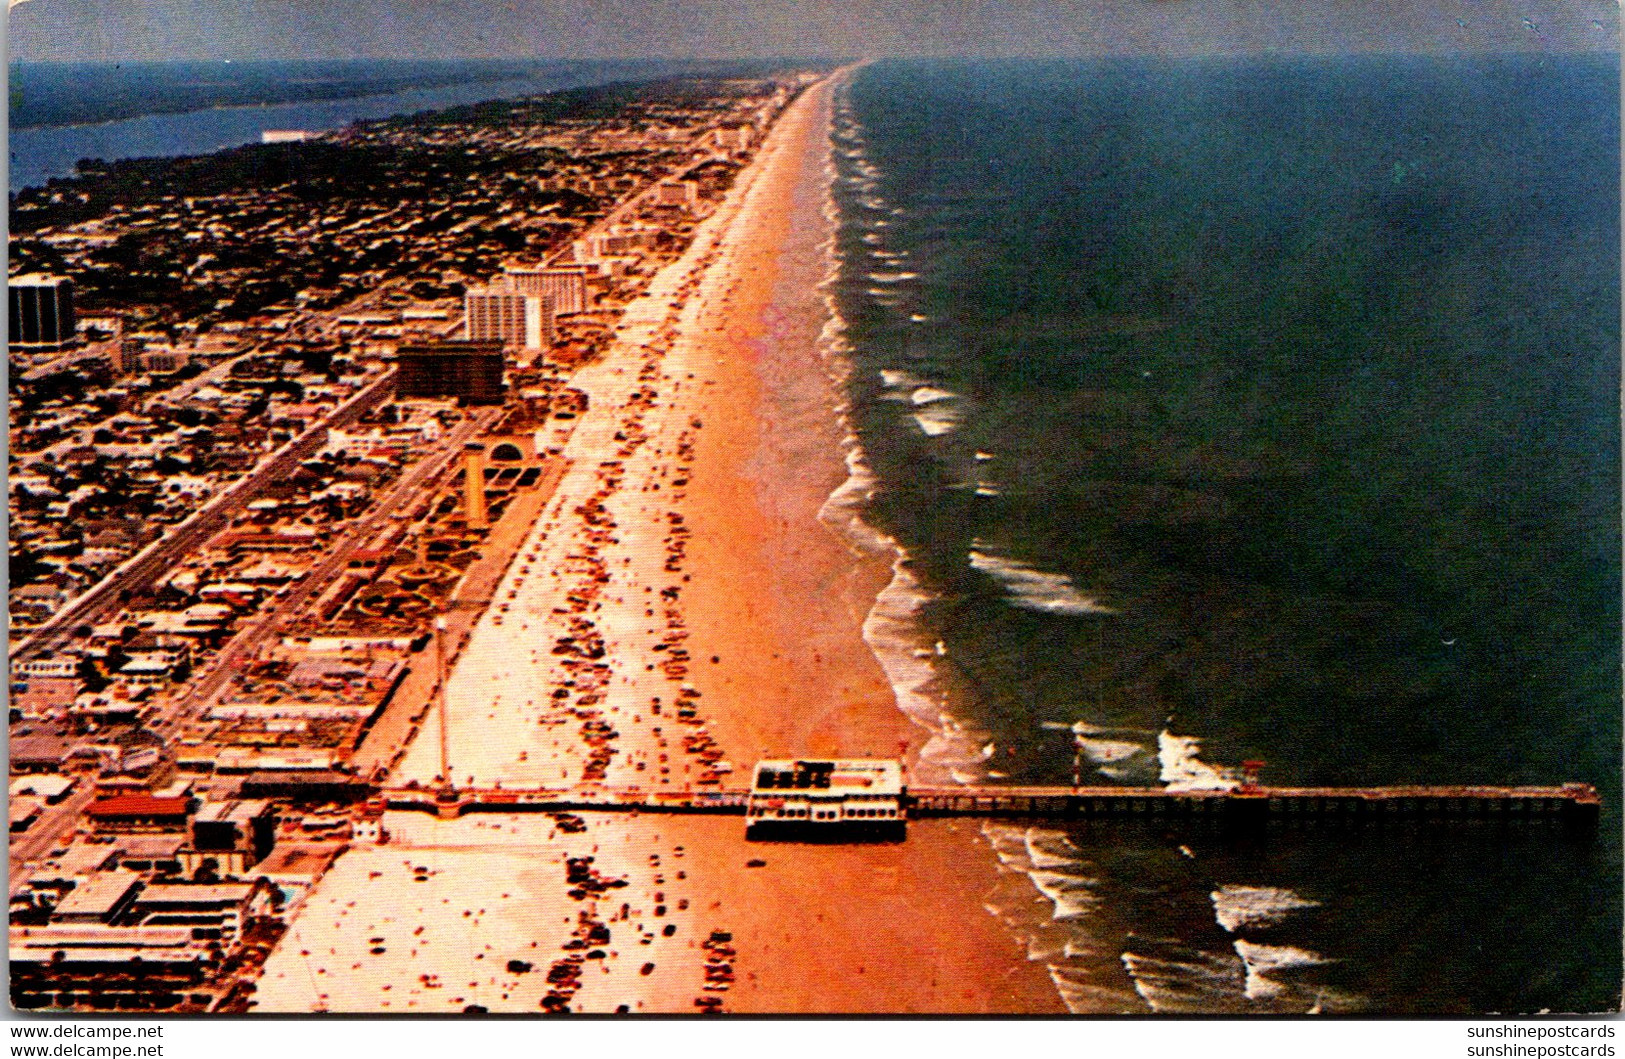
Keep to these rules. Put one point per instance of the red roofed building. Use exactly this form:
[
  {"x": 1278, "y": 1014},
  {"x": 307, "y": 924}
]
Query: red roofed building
[{"x": 139, "y": 812}]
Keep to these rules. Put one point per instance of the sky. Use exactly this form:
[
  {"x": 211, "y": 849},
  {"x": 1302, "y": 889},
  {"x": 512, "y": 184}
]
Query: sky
[{"x": 140, "y": 30}]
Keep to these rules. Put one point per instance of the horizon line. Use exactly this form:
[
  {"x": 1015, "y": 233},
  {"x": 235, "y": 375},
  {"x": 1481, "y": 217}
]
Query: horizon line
[{"x": 1251, "y": 53}]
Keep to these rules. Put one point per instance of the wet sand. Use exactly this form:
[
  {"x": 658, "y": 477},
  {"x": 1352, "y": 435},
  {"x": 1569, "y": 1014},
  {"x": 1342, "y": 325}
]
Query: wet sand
[
  {"x": 680, "y": 562},
  {"x": 779, "y": 599}
]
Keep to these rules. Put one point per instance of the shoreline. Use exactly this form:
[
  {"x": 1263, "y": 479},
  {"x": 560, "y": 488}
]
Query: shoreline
[
  {"x": 681, "y": 560},
  {"x": 770, "y": 467}
]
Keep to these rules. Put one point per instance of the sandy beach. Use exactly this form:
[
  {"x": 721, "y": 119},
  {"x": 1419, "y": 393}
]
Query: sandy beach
[{"x": 680, "y": 564}]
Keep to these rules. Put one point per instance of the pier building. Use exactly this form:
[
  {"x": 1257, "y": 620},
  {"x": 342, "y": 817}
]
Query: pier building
[{"x": 818, "y": 798}]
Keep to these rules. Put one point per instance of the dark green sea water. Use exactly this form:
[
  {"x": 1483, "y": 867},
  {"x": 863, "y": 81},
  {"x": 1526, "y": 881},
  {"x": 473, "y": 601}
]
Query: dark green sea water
[{"x": 1261, "y": 409}]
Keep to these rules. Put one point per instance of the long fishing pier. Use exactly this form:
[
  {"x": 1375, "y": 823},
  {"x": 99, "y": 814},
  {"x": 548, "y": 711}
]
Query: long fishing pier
[
  {"x": 1570, "y": 803},
  {"x": 1574, "y": 802}
]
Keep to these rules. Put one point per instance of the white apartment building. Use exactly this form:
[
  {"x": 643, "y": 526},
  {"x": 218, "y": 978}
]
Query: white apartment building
[{"x": 502, "y": 313}]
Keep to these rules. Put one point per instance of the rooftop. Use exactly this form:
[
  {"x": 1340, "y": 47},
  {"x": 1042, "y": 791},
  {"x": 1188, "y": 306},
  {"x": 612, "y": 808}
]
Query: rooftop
[
  {"x": 35, "y": 279},
  {"x": 98, "y": 895},
  {"x": 138, "y": 805},
  {"x": 196, "y": 893},
  {"x": 857, "y": 775}
]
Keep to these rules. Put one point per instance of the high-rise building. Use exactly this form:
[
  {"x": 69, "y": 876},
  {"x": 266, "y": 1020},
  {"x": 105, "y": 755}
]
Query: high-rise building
[
  {"x": 566, "y": 286},
  {"x": 40, "y": 310},
  {"x": 471, "y": 371},
  {"x": 503, "y": 313}
]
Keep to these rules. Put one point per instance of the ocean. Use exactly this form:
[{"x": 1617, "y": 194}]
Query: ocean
[
  {"x": 1253, "y": 409},
  {"x": 1212, "y": 410},
  {"x": 63, "y": 112}
]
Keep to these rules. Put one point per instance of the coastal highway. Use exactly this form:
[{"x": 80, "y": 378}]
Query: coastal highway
[
  {"x": 64, "y": 363},
  {"x": 54, "y": 821},
  {"x": 188, "y": 534}
]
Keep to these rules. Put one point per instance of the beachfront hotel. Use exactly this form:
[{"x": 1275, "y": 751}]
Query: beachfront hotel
[
  {"x": 565, "y": 285},
  {"x": 505, "y": 314}
]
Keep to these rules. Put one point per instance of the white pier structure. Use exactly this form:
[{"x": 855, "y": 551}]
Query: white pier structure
[{"x": 837, "y": 798}]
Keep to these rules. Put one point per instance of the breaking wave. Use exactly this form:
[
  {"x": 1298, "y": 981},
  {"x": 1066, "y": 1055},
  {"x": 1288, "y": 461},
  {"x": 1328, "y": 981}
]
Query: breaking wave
[
  {"x": 1262, "y": 963},
  {"x": 1182, "y": 770},
  {"x": 892, "y": 628},
  {"x": 1034, "y": 589},
  {"x": 1242, "y": 908}
]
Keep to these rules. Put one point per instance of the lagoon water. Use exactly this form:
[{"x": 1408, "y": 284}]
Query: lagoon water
[
  {"x": 68, "y": 112},
  {"x": 1231, "y": 409}
]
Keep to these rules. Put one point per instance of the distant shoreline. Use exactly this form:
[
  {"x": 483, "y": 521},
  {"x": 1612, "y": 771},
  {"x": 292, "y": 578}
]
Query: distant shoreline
[
  {"x": 276, "y": 87},
  {"x": 227, "y": 107},
  {"x": 44, "y": 152}
]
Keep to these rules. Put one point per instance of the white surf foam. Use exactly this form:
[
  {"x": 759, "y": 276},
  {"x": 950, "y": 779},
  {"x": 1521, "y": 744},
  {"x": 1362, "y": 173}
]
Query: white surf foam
[
  {"x": 1241, "y": 908},
  {"x": 1262, "y": 962},
  {"x": 938, "y": 419},
  {"x": 842, "y": 511},
  {"x": 1107, "y": 751},
  {"x": 1050, "y": 849},
  {"x": 1009, "y": 842},
  {"x": 1035, "y": 589},
  {"x": 925, "y": 395},
  {"x": 891, "y": 627},
  {"x": 1084, "y": 996},
  {"x": 1202, "y": 983},
  {"x": 1073, "y": 897},
  {"x": 1182, "y": 770},
  {"x": 1047, "y": 941},
  {"x": 1045, "y": 894}
]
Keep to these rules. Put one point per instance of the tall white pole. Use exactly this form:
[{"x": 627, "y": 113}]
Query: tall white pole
[{"x": 440, "y": 667}]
